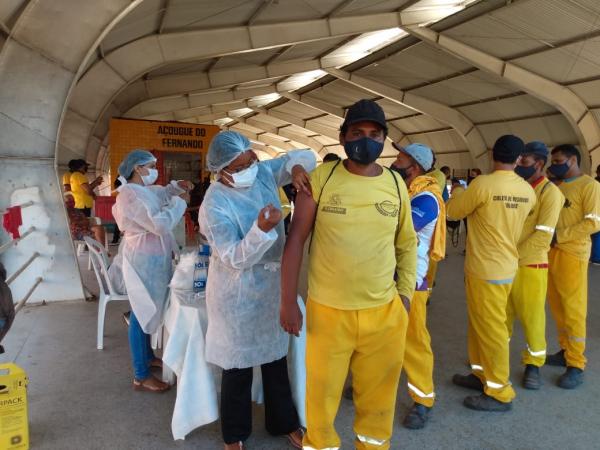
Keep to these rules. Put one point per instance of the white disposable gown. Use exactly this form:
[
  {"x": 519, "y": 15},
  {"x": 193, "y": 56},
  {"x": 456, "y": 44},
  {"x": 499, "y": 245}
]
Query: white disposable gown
[
  {"x": 147, "y": 216},
  {"x": 243, "y": 288}
]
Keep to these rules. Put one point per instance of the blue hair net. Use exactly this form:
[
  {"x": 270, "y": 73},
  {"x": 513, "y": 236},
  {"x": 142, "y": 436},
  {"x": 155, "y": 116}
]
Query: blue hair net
[
  {"x": 224, "y": 148},
  {"x": 134, "y": 158}
]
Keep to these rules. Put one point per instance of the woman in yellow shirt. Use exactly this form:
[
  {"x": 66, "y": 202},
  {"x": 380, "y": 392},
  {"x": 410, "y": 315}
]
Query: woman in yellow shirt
[{"x": 82, "y": 189}]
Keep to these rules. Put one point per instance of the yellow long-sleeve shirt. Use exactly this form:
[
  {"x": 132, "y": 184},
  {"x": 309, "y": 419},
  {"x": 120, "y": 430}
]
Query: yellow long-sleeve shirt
[
  {"x": 540, "y": 225},
  {"x": 580, "y": 216},
  {"x": 363, "y": 234},
  {"x": 496, "y": 206}
]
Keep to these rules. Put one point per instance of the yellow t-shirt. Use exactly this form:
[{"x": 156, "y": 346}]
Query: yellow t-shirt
[
  {"x": 82, "y": 198},
  {"x": 496, "y": 206},
  {"x": 360, "y": 240},
  {"x": 286, "y": 207},
  {"x": 66, "y": 178},
  {"x": 540, "y": 225},
  {"x": 580, "y": 216}
]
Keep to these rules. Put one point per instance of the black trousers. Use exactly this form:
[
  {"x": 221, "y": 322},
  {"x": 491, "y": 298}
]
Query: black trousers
[{"x": 281, "y": 416}]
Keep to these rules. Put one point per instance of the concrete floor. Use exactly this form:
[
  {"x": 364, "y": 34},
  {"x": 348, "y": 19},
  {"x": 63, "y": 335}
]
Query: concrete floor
[{"x": 81, "y": 398}]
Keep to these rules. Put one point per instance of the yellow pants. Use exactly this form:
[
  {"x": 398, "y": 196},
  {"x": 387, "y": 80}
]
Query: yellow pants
[
  {"x": 418, "y": 357},
  {"x": 488, "y": 336},
  {"x": 567, "y": 297},
  {"x": 371, "y": 343},
  {"x": 430, "y": 277},
  {"x": 527, "y": 303}
]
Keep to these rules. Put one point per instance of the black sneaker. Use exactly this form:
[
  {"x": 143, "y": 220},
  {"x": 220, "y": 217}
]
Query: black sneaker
[
  {"x": 558, "y": 359},
  {"x": 468, "y": 381},
  {"x": 417, "y": 417},
  {"x": 484, "y": 402},
  {"x": 531, "y": 377},
  {"x": 572, "y": 378}
]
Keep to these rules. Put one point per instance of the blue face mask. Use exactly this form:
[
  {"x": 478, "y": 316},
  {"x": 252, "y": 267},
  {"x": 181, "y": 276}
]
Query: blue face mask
[
  {"x": 364, "y": 150},
  {"x": 525, "y": 171},
  {"x": 559, "y": 170}
]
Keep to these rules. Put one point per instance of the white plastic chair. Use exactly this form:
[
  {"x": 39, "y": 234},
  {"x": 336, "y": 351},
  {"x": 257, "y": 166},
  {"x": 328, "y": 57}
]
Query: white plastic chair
[
  {"x": 100, "y": 262},
  {"x": 82, "y": 244}
]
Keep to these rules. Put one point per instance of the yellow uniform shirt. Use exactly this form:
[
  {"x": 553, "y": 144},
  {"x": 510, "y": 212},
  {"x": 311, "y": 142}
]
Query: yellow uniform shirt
[
  {"x": 580, "y": 216},
  {"x": 496, "y": 206},
  {"x": 359, "y": 239},
  {"x": 540, "y": 225},
  {"x": 439, "y": 176},
  {"x": 82, "y": 198},
  {"x": 457, "y": 190},
  {"x": 66, "y": 178}
]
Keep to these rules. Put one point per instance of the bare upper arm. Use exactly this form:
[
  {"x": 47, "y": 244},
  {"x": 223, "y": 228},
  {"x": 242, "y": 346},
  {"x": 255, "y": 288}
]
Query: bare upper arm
[{"x": 305, "y": 209}]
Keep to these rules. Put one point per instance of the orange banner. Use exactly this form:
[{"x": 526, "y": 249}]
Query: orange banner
[{"x": 157, "y": 136}]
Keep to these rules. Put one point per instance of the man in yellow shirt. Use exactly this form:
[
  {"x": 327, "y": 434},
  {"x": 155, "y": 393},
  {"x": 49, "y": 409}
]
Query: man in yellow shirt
[
  {"x": 527, "y": 299},
  {"x": 357, "y": 315},
  {"x": 496, "y": 206},
  {"x": 82, "y": 189},
  {"x": 568, "y": 261}
]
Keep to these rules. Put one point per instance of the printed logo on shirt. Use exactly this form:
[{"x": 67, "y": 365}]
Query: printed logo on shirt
[
  {"x": 510, "y": 201},
  {"x": 387, "y": 208},
  {"x": 333, "y": 205},
  {"x": 567, "y": 203}
]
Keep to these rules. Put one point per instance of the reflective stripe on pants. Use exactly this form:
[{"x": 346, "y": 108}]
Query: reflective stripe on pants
[{"x": 527, "y": 303}]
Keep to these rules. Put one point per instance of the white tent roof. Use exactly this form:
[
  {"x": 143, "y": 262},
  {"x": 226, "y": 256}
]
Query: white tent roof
[{"x": 454, "y": 75}]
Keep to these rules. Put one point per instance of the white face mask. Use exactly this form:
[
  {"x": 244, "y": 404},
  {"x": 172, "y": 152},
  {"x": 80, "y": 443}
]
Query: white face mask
[
  {"x": 150, "y": 178},
  {"x": 244, "y": 178}
]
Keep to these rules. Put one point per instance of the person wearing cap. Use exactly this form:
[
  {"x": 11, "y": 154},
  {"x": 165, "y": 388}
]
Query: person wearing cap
[
  {"x": 568, "y": 262},
  {"x": 82, "y": 189},
  {"x": 429, "y": 218},
  {"x": 241, "y": 219},
  {"x": 357, "y": 315},
  {"x": 146, "y": 214},
  {"x": 496, "y": 206},
  {"x": 527, "y": 298}
]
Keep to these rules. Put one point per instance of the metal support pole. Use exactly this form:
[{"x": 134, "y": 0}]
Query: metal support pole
[
  {"x": 16, "y": 241},
  {"x": 23, "y": 206},
  {"x": 22, "y": 268},
  {"x": 22, "y": 302}
]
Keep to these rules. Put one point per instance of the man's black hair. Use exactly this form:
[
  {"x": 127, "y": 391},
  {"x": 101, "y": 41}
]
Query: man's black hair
[{"x": 568, "y": 150}]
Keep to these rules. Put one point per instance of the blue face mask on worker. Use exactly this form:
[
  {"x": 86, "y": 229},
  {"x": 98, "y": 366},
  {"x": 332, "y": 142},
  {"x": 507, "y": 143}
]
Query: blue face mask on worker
[
  {"x": 525, "y": 172},
  {"x": 559, "y": 170},
  {"x": 364, "y": 150}
]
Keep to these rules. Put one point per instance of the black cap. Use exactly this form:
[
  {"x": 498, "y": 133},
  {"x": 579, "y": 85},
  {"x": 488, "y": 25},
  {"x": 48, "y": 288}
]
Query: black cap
[
  {"x": 508, "y": 148},
  {"x": 537, "y": 148},
  {"x": 365, "y": 110}
]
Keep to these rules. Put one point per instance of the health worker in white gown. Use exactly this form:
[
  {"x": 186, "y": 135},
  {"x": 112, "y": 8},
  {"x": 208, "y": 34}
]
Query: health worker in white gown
[
  {"x": 146, "y": 214},
  {"x": 241, "y": 219}
]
